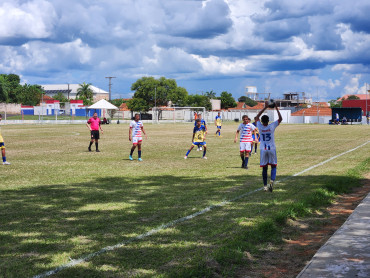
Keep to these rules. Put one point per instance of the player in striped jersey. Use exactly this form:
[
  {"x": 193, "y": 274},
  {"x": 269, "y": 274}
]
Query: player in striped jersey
[
  {"x": 135, "y": 135},
  {"x": 256, "y": 139},
  {"x": 245, "y": 129},
  {"x": 267, "y": 145}
]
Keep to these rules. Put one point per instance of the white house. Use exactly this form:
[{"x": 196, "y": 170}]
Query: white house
[{"x": 70, "y": 91}]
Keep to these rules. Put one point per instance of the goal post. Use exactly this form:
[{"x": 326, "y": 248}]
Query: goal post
[{"x": 176, "y": 114}]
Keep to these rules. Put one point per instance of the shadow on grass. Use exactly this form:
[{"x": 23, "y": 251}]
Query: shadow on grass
[{"x": 42, "y": 227}]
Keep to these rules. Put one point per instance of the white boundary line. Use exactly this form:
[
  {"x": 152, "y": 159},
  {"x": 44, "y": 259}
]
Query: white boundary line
[{"x": 177, "y": 221}]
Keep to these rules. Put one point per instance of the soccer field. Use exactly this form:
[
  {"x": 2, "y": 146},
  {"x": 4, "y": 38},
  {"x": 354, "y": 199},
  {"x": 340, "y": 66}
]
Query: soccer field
[{"x": 60, "y": 203}]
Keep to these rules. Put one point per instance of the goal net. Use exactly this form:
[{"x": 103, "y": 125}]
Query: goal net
[{"x": 176, "y": 114}]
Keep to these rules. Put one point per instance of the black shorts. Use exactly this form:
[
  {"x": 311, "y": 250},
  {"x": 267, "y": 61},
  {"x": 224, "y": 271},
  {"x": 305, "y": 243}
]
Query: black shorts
[{"x": 95, "y": 134}]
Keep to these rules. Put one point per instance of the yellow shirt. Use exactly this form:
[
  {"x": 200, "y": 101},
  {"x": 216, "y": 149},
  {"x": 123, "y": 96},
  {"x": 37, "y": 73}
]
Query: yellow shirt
[
  {"x": 218, "y": 121},
  {"x": 199, "y": 133}
]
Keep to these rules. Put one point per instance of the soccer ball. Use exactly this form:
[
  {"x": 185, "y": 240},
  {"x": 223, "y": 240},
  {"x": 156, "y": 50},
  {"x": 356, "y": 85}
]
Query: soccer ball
[{"x": 271, "y": 103}]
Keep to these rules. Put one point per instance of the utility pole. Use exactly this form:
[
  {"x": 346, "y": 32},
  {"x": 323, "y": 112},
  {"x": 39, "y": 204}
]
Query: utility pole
[{"x": 110, "y": 85}]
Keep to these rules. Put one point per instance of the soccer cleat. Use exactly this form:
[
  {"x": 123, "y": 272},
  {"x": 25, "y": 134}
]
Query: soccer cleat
[
  {"x": 89, "y": 149},
  {"x": 6, "y": 163},
  {"x": 265, "y": 188},
  {"x": 204, "y": 157},
  {"x": 271, "y": 185},
  {"x": 246, "y": 167},
  {"x": 97, "y": 151},
  {"x": 200, "y": 148},
  {"x": 185, "y": 157},
  {"x": 139, "y": 159},
  {"x": 130, "y": 157}
]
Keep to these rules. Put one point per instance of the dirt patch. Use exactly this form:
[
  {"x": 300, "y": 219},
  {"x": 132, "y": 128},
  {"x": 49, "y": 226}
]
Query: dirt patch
[{"x": 303, "y": 238}]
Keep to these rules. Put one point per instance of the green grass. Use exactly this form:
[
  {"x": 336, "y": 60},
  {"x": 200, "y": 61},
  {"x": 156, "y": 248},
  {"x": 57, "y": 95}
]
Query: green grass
[{"x": 59, "y": 201}]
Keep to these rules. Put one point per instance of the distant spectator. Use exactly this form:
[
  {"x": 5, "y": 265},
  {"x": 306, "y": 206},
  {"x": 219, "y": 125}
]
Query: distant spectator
[
  {"x": 336, "y": 118},
  {"x": 104, "y": 121},
  {"x": 344, "y": 120}
]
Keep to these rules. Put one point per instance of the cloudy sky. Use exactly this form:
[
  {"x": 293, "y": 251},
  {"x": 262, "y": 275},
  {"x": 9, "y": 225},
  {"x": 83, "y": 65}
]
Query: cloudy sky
[{"x": 320, "y": 47}]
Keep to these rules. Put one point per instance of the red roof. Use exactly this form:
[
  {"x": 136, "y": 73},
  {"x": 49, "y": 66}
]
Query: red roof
[
  {"x": 45, "y": 98},
  {"x": 321, "y": 104},
  {"x": 243, "y": 106},
  {"x": 323, "y": 111},
  {"x": 76, "y": 101},
  {"x": 361, "y": 96},
  {"x": 123, "y": 107}
]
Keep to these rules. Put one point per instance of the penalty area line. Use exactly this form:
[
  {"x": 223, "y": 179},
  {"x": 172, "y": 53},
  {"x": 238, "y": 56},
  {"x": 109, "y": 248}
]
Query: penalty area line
[{"x": 74, "y": 262}]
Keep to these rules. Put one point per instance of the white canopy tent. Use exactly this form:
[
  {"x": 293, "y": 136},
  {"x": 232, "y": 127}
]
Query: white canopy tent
[{"x": 104, "y": 105}]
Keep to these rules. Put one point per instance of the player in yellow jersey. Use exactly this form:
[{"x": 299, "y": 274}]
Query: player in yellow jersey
[
  {"x": 218, "y": 123},
  {"x": 2, "y": 146},
  {"x": 199, "y": 137}
]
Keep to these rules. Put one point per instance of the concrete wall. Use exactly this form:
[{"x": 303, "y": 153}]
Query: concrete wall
[
  {"x": 10, "y": 108},
  {"x": 309, "y": 119}
]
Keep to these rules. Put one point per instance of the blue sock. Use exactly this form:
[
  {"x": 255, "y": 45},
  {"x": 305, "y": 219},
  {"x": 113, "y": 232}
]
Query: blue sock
[
  {"x": 204, "y": 152},
  {"x": 187, "y": 152},
  {"x": 273, "y": 173},
  {"x": 139, "y": 154},
  {"x": 4, "y": 159},
  {"x": 246, "y": 161},
  {"x": 219, "y": 133},
  {"x": 264, "y": 175}
]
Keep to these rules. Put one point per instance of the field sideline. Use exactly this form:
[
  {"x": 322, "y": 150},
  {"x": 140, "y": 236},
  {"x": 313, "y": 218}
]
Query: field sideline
[{"x": 59, "y": 202}]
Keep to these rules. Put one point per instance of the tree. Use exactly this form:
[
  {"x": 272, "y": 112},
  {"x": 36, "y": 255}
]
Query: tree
[
  {"x": 30, "y": 94},
  {"x": 179, "y": 96},
  {"x": 248, "y": 101},
  {"x": 118, "y": 101},
  {"x": 199, "y": 101},
  {"x": 352, "y": 97},
  {"x": 158, "y": 92},
  {"x": 227, "y": 100},
  {"x": 4, "y": 89},
  {"x": 9, "y": 84},
  {"x": 242, "y": 99},
  {"x": 335, "y": 103},
  {"x": 60, "y": 96},
  {"x": 85, "y": 93},
  {"x": 210, "y": 95},
  {"x": 138, "y": 104}
]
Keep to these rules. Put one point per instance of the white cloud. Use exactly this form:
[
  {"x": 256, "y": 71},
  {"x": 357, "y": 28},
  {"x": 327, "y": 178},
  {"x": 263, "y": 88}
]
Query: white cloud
[
  {"x": 352, "y": 87},
  {"x": 189, "y": 40},
  {"x": 33, "y": 19}
]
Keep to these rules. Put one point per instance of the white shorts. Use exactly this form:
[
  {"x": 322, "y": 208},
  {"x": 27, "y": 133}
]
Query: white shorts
[
  {"x": 136, "y": 140},
  {"x": 268, "y": 157},
  {"x": 245, "y": 146}
]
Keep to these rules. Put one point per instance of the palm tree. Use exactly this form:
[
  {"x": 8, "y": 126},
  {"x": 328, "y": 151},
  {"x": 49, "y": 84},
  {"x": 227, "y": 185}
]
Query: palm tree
[{"x": 85, "y": 93}]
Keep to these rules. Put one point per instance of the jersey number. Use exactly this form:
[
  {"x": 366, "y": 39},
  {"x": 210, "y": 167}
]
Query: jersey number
[{"x": 266, "y": 137}]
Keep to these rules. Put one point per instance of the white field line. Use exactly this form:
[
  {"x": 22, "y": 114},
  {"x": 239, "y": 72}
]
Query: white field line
[{"x": 74, "y": 262}]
